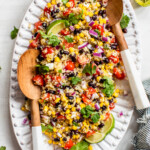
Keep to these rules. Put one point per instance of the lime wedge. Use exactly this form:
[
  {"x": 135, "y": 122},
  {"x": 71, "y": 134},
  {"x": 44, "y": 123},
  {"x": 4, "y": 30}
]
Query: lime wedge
[
  {"x": 99, "y": 136},
  {"x": 55, "y": 27},
  {"x": 143, "y": 3}
]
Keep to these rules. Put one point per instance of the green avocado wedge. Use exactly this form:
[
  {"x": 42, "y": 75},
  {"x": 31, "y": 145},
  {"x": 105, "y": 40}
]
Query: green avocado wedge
[
  {"x": 55, "y": 27},
  {"x": 99, "y": 136}
]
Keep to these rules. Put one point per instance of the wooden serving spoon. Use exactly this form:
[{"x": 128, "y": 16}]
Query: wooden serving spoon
[
  {"x": 114, "y": 11},
  {"x": 25, "y": 73}
]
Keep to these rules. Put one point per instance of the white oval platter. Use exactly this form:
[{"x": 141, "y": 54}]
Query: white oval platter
[{"x": 125, "y": 104}]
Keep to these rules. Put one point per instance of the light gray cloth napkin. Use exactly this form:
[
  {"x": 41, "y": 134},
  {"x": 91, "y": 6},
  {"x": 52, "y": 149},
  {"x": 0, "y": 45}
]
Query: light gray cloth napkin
[{"x": 141, "y": 141}]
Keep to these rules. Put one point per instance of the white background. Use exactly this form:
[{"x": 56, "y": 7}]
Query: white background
[{"x": 11, "y": 13}]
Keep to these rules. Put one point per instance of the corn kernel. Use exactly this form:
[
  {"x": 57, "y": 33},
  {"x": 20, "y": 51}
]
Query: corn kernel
[
  {"x": 102, "y": 117},
  {"x": 98, "y": 4},
  {"x": 90, "y": 14},
  {"x": 54, "y": 129},
  {"x": 115, "y": 100},
  {"x": 81, "y": 35},
  {"x": 80, "y": 5},
  {"x": 57, "y": 100},
  {"x": 53, "y": 113},
  {"x": 45, "y": 109},
  {"x": 92, "y": 40},
  {"x": 90, "y": 147},
  {"x": 66, "y": 129},
  {"x": 78, "y": 100},
  {"x": 80, "y": 74},
  {"x": 106, "y": 103},
  {"x": 83, "y": 16},
  {"x": 61, "y": 8},
  {"x": 68, "y": 111},
  {"x": 82, "y": 105},
  {"x": 71, "y": 50},
  {"x": 53, "y": 2},
  {"x": 49, "y": 5},
  {"x": 96, "y": 13},
  {"x": 98, "y": 78},
  {"x": 77, "y": 26},
  {"x": 68, "y": 4},
  {"x": 42, "y": 18},
  {"x": 101, "y": 104},
  {"x": 74, "y": 127},
  {"x": 73, "y": 109},
  {"x": 57, "y": 59},
  {"x": 69, "y": 106},
  {"x": 23, "y": 108},
  {"x": 50, "y": 141}
]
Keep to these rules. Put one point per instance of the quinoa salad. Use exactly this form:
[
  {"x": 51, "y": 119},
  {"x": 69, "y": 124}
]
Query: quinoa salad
[{"x": 77, "y": 69}]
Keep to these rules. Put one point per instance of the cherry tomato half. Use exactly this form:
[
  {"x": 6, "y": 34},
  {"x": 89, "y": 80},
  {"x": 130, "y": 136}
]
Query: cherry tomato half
[
  {"x": 89, "y": 133},
  {"x": 64, "y": 32},
  {"x": 69, "y": 144},
  {"x": 68, "y": 45},
  {"x": 112, "y": 106},
  {"x": 38, "y": 80},
  {"x": 114, "y": 59},
  {"x": 72, "y": 3},
  {"x": 33, "y": 44},
  {"x": 67, "y": 12},
  {"x": 85, "y": 99},
  {"x": 107, "y": 115},
  {"x": 91, "y": 91},
  {"x": 70, "y": 65},
  {"x": 61, "y": 117},
  {"x": 119, "y": 73},
  {"x": 46, "y": 51},
  {"x": 47, "y": 10},
  {"x": 37, "y": 25}
]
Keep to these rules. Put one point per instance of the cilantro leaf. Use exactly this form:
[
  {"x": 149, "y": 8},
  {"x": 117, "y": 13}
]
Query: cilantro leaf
[
  {"x": 65, "y": 1},
  {"x": 69, "y": 39},
  {"x": 60, "y": 71},
  {"x": 63, "y": 47},
  {"x": 42, "y": 69},
  {"x": 97, "y": 31},
  {"x": 108, "y": 86},
  {"x": 52, "y": 39},
  {"x": 74, "y": 123},
  {"x": 95, "y": 117},
  {"x": 106, "y": 46},
  {"x": 89, "y": 69},
  {"x": 87, "y": 111},
  {"x": 124, "y": 21},
  {"x": 2, "y": 148},
  {"x": 14, "y": 33},
  {"x": 75, "y": 80},
  {"x": 83, "y": 145},
  {"x": 47, "y": 128}
]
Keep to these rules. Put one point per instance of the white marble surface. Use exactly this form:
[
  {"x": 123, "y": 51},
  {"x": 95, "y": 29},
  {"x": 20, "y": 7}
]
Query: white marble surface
[{"x": 11, "y": 13}]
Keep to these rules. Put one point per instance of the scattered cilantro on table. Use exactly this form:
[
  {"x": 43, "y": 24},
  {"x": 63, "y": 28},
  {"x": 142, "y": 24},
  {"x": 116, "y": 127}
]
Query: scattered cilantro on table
[
  {"x": 124, "y": 21},
  {"x": 83, "y": 145},
  {"x": 89, "y": 112},
  {"x": 69, "y": 39},
  {"x": 75, "y": 80},
  {"x": 14, "y": 33},
  {"x": 108, "y": 86},
  {"x": 52, "y": 39},
  {"x": 47, "y": 128},
  {"x": 42, "y": 69},
  {"x": 89, "y": 69},
  {"x": 2, "y": 148}
]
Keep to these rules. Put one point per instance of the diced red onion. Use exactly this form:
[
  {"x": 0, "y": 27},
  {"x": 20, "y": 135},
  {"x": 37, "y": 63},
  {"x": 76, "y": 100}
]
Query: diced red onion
[
  {"x": 71, "y": 28},
  {"x": 87, "y": 18},
  {"x": 90, "y": 47},
  {"x": 97, "y": 54},
  {"x": 97, "y": 107},
  {"x": 73, "y": 93},
  {"x": 83, "y": 45},
  {"x": 100, "y": 50},
  {"x": 96, "y": 46},
  {"x": 63, "y": 77},
  {"x": 93, "y": 33},
  {"x": 91, "y": 23},
  {"x": 105, "y": 39},
  {"x": 57, "y": 113},
  {"x": 121, "y": 114},
  {"x": 57, "y": 47},
  {"x": 25, "y": 121}
]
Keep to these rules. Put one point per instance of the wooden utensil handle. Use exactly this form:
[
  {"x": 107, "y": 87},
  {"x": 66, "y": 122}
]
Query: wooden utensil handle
[
  {"x": 120, "y": 37},
  {"x": 35, "y": 113}
]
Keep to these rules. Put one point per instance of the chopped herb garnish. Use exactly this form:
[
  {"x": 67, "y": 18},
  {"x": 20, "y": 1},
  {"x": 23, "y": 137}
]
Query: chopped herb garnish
[
  {"x": 69, "y": 39},
  {"x": 75, "y": 123},
  {"x": 89, "y": 68},
  {"x": 60, "y": 71},
  {"x": 63, "y": 47},
  {"x": 14, "y": 33},
  {"x": 83, "y": 145},
  {"x": 97, "y": 31},
  {"x": 95, "y": 117},
  {"x": 124, "y": 21},
  {"x": 106, "y": 46},
  {"x": 47, "y": 128},
  {"x": 2, "y": 148},
  {"x": 75, "y": 80},
  {"x": 42, "y": 69},
  {"x": 108, "y": 86},
  {"x": 52, "y": 39},
  {"x": 65, "y": 1}
]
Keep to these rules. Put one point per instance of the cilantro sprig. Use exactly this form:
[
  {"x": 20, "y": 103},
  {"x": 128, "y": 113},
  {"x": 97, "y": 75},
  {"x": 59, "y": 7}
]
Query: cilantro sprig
[
  {"x": 75, "y": 80},
  {"x": 52, "y": 39},
  {"x": 83, "y": 145},
  {"x": 97, "y": 31},
  {"x": 69, "y": 39},
  {"x": 124, "y": 21},
  {"x": 89, "y": 112},
  {"x": 42, "y": 69},
  {"x": 14, "y": 33},
  {"x": 2, "y": 148},
  {"x": 47, "y": 128},
  {"x": 108, "y": 86},
  {"x": 89, "y": 69}
]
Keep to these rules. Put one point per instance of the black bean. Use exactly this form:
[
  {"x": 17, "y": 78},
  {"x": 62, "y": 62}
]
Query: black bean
[
  {"x": 110, "y": 101},
  {"x": 57, "y": 10},
  {"x": 77, "y": 31},
  {"x": 67, "y": 86},
  {"x": 81, "y": 119},
  {"x": 66, "y": 52},
  {"x": 64, "y": 109},
  {"x": 82, "y": 1},
  {"x": 100, "y": 12},
  {"x": 57, "y": 139},
  {"x": 44, "y": 25},
  {"x": 104, "y": 11},
  {"x": 55, "y": 119},
  {"x": 35, "y": 34},
  {"x": 57, "y": 104},
  {"x": 71, "y": 74},
  {"x": 78, "y": 2},
  {"x": 103, "y": 108},
  {"x": 125, "y": 30},
  {"x": 103, "y": 55},
  {"x": 101, "y": 125},
  {"x": 92, "y": 84},
  {"x": 39, "y": 47},
  {"x": 70, "y": 102},
  {"x": 96, "y": 62},
  {"x": 100, "y": 62},
  {"x": 106, "y": 60},
  {"x": 108, "y": 27},
  {"x": 94, "y": 17},
  {"x": 73, "y": 58},
  {"x": 59, "y": 55},
  {"x": 81, "y": 51},
  {"x": 104, "y": 15},
  {"x": 102, "y": 80},
  {"x": 40, "y": 58},
  {"x": 52, "y": 13},
  {"x": 70, "y": 97},
  {"x": 64, "y": 139},
  {"x": 26, "y": 98},
  {"x": 113, "y": 47},
  {"x": 29, "y": 116},
  {"x": 58, "y": 5},
  {"x": 51, "y": 91}
]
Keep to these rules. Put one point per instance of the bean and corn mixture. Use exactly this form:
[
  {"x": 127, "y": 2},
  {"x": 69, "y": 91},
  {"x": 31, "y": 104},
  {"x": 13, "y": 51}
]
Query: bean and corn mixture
[{"x": 76, "y": 70}]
